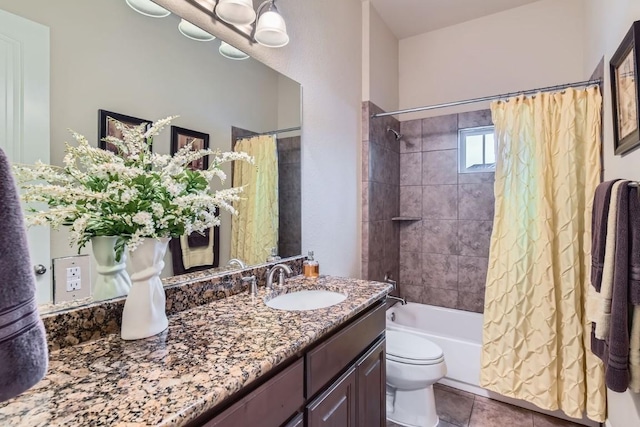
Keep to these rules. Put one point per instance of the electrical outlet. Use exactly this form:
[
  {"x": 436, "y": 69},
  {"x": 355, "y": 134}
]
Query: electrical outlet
[
  {"x": 74, "y": 285},
  {"x": 73, "y": 272},
  {"x": 71, "y": 278}
]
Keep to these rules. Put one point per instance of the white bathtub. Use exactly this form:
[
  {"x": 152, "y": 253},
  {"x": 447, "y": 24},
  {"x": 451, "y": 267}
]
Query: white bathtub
[{"x": 459, "y": 334}]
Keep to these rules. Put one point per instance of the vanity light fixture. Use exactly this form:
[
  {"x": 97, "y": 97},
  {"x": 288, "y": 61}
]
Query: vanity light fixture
[
  {"x": 270, "y": 29},
  {"x": 194, "y": 32},
  {"x": 236, "y": 12},
  {"x": 148, "y": 8},
  {"x": 231, "y": 52}
]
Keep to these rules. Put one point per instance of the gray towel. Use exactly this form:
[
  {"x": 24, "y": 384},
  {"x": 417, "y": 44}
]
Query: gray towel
[
  {"x": 634, "y": 244},
  {"x": 614, "y": 351},
  {"x": 23, "y": 344},
  {"x": 617, "y": 367},
  {"x": 601, "y": 202}
]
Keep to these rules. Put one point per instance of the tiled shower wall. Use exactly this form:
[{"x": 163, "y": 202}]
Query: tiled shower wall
[
  {"x": 380, "y": 195},
  {"x": 289, "y": 197},
  {"x": 443, "y": 256}
]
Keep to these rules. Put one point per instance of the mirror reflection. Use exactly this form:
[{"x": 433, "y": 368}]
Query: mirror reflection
[{"x": 102, "y": 55}]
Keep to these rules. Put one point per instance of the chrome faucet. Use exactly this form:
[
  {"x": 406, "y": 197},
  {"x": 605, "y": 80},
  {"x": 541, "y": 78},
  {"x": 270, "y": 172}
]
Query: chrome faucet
[
  {"x": 238, "y": 262},
  {"x": 403, "y": 301},
  {"x": 283, "y": 269},
  {"x": 387, "y": 278},
  {"x": 253, "y": 286}
]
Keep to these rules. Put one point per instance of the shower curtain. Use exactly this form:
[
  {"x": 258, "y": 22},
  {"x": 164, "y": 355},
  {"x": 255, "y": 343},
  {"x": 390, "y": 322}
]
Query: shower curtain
[
  {"x": 254, "y": 231},
  {"x": 536, "y": 333}
]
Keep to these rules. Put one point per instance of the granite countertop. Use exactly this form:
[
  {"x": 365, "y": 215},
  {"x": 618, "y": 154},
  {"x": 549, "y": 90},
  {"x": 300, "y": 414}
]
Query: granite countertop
[{"x": 207, "y": 354}]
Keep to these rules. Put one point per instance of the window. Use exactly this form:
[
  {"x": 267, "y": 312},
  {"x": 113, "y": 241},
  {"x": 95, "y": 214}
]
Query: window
[{"x": 476, "y": 150}]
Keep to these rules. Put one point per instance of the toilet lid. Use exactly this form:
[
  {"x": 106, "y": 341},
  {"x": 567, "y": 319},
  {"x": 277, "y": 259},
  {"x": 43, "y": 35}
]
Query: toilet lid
[{"x": 405, "y": 345}]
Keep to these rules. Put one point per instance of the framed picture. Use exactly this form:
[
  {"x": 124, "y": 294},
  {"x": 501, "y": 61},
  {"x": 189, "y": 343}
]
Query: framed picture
[
  {"x": 208, "y": 245},
  {"x": 625, "y": 94},
  {"x": 181, "y": 137},
  {"x": 107, "y": 127}
]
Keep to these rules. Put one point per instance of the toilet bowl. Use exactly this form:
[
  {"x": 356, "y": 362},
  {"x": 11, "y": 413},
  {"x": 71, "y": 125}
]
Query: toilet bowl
[{"x": 414, "y": 364}]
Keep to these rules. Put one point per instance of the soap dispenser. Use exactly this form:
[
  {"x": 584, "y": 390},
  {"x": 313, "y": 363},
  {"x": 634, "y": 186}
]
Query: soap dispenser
[
  {"x": 274, "y": 255},
  {"x": 310, "y": 267}
]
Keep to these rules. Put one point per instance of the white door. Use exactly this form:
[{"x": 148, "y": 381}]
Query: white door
[{"x": 24, "y": 115}]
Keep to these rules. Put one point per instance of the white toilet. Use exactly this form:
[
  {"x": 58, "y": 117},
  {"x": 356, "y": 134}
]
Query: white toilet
[{"x": 414, "y": 364}]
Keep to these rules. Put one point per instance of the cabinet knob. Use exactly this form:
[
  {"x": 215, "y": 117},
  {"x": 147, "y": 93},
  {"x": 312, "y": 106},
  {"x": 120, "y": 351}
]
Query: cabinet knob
[{"x": 40, "y": 269}]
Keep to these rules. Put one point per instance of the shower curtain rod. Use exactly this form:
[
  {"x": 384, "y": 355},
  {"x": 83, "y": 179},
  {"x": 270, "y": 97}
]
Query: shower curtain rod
[
  {"x": 271, "y": 132},
  {"x": 490, "y": 98}
]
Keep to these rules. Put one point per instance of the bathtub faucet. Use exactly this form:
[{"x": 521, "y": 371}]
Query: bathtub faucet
[
  {"x": 403, "y": 301},
  {"x": 387, "y": 278}
]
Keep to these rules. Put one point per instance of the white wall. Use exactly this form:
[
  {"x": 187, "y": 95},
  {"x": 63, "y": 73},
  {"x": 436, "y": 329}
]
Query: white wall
[
  {"x": 380, "y": 60},
  {"x": 324, "y": 55},
  {"x": 606, "y": 23},
  {"x": 535, "y": 45}
]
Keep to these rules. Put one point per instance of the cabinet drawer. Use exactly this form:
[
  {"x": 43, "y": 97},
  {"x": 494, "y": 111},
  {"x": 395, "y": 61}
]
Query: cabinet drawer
[
  {"x": 331, "y": 357},
  {"x": 270, "y": 405}
]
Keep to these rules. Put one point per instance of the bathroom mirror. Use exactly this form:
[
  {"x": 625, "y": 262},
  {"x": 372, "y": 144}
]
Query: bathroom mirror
[{"x": 104, "y": 55}]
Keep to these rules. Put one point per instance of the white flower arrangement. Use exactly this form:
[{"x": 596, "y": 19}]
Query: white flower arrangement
[{"x": 131, "y": 194}]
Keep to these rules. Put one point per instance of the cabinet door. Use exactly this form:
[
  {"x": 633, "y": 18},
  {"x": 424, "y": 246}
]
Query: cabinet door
[
  {"x": 371, "y": 387},
  {"x": 331, "y": 357},
  {"x": 296, "y": 422},
  {"x": 337, "y": 406}
]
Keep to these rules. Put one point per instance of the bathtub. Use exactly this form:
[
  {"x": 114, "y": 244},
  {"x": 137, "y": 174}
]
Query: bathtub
[
  {"x": 457, "y": 332},
  {"x": 459, "y": 335}
]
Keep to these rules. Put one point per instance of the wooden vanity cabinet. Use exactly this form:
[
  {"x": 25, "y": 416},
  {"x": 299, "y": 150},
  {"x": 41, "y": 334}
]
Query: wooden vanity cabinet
[
  {"x": 372, "y": 387},
  {"x": 357, "y": 398},
  {"x": 340, "y": 381},
  {"x": 336, "y": 406},
  {"x": 297, "y": 421}
]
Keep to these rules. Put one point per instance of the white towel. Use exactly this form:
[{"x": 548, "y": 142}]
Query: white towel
[{"x": 196, "y": 257}]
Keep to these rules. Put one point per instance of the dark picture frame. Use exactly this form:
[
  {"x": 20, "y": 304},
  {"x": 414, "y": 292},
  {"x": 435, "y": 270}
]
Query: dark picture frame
[
  {"x": 106, "y": 127},
  {"x": 181, "y": 136},
  {"x": 625, "y": 93}
]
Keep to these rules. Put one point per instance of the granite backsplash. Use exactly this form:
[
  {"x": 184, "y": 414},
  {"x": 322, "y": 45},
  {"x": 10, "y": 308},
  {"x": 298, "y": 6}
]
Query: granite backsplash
[{"x": 73, "y": 326}]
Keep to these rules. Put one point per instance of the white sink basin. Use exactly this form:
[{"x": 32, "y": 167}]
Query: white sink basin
[{"x": 306, "y": 300}]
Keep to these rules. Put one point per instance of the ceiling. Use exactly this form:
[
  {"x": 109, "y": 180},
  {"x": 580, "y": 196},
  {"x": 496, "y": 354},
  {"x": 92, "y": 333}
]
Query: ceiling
[{"x": 408, "y": 18}]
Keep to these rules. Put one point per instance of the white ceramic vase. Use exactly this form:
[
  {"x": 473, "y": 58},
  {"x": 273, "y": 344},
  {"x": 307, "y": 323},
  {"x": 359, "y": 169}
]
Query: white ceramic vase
[
  {"x": 112, "y": 279},
  {"x": 144, "y": 310}
]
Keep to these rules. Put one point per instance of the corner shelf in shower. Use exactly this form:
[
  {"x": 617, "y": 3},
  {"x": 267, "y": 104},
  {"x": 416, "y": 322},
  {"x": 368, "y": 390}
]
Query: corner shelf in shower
[{"x": 406, "y": 218}]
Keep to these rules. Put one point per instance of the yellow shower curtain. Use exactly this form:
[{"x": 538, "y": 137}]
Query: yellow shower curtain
[
  {"x": 254, "y": 231},
  {"x": 536, "y": 334}
]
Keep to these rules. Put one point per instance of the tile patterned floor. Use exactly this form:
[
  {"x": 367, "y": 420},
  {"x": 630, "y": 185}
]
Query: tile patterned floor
[{"x": 458, "y": 408}]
